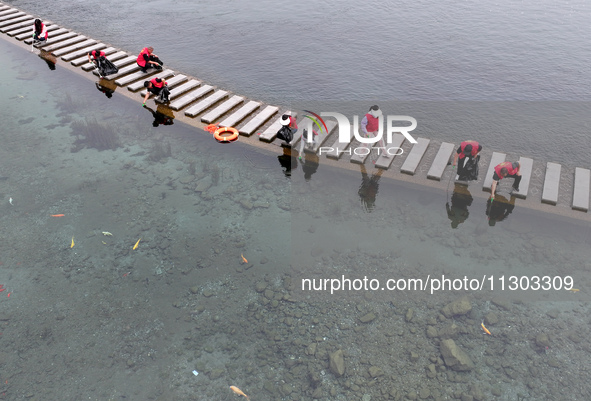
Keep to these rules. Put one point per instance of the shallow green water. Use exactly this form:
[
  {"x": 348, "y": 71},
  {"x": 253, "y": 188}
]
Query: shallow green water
[{"x": 136, "y": 323}]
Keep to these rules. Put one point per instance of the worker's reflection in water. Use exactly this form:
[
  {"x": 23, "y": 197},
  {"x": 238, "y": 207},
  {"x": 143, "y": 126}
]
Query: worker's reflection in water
[
  {"x": 162, "y": 115},
  {"x": 107, "y": 87},
  {"x": 310, "y": 163},
  {"x": 49, "y": 58},
  {"x": 287, "y": 161},
  {"x": 461, "y": 199},
  {"x": 368, "y": 190},
  {"x": 499, "y": 209}
]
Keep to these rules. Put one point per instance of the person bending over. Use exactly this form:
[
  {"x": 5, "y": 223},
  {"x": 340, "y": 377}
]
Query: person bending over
[
  {"x": 506, "y": 169},
  {"x": 468, "y": 155},
  {"x": 156, "y": 86}
]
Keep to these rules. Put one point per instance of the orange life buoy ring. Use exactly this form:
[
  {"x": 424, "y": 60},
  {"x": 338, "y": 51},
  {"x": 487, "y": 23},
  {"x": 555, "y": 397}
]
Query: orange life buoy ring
[{"x": 226, "y": 138}]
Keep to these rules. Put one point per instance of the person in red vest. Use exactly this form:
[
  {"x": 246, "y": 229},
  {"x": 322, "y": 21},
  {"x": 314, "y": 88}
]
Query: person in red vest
[
  {"x": 506, "y": 169},
  {"x": 39, "y": 32},
  {"x": 147, "y": 59},
  {"x": 468, "y": 154},
  {"x": 95, "y": 55},
  {"x": 104, "y": 66},
  {"x": 370, "y": 124},
  {"x": 156, "y": 86}
]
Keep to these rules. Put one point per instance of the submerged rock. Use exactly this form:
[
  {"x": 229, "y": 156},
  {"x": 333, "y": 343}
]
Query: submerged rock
[
  {"x": 337, "y": 363},
  {"x": 454, "y": 357},
  {"x": 458, "y": 307}
]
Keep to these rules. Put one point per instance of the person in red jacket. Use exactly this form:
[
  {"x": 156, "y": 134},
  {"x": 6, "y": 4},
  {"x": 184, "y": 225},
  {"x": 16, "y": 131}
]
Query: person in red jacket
[
  {"x": 156, "y": 86},
  {"x": 147, "y": 59},
  {"x": 506, "y": 169},
  {"x": 468, "y": 155},
  {"x": 39, "y": 32}
]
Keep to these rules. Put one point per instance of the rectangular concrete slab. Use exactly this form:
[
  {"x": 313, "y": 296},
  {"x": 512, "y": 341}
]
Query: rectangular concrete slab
[
  {"x": 191, "y": 97},
  {"x": 320, "y": 139},
  {"x": 83, "y": 60},
  {"x": 70, "y": 49},
  {"x": 206, "y": 103},
  {"x": 271, "y": 132},
  {"x": 13, "y": 19},
  {"x": 136, "y": 86},
  {"x": 128, "y": 69},
  {"x": 415, "y": 155},
  {"x": 525, "y": 170},
  {"x": 123, "y": 61},
  {"x": 134, "y": 77},
  {"x": 28, "y": 33},
  {"x": 338, "y": 147},
  {"x": 83, "y": 51},
  {"x": 7, "y": 13},
  {"x": 18, "y": 25},
  {"x": 222, "y": 109},
  {"x": 240, "y": 114},
  {"x": 65, "y": 44},
  {"x": 86, "y": 66},
  {"x": 181, "y": 89},
  {"x": 392, "y": 149},
  {"x": 25, "y": 29},
  {"x": 112, "y": 57},
  {"x": 56, "y": 37},
  {"x": 551, "y": 183},
  {"x": 126, "y": 65},
  {"x": 494, "y": 161},
  {"x": 360, "y": 154},
  {"x": 258, "y": 120},
  {"x": 440, "y": 162},
  {"x": 581, "y": 191}
]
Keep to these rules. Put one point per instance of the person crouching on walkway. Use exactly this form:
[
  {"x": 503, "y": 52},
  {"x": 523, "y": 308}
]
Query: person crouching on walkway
[
  {"x": 467, "y": 154},
  {"x": 506, "y": 169},
  {"x": 147, "y": 59},
  {"x": 156, "y": 86},
  {"x": 370, "y": 125},
  {"x": 94, "y": 56},
  {"x": 102, "y": 64},
  {"x": 39, "y": 32}
]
